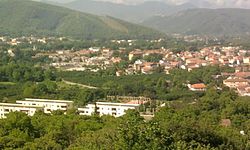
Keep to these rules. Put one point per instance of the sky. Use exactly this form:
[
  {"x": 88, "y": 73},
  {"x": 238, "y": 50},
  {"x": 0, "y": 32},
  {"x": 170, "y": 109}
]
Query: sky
[
  {"x": 201, "y": 3},
  {"x": 219, "y": 3}
]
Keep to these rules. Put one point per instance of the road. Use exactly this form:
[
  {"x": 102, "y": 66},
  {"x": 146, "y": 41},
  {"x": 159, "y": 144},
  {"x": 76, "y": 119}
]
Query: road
[{"x": 78, "y": 84}]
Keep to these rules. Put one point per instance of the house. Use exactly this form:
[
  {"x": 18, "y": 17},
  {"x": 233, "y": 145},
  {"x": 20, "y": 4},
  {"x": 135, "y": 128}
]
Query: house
[
  {"x": 190, "y": 67},
  {"x": 6, "y": 108},
  {"x": 242, "y": 74},
  {"x": 148, "y": 67},
  {"x": 197, "y": 87},
  {"x": 116, "y": 59},
  {"x": 119, "y": 73},
  {"x": 107, "y": 108},
  {"x": 235, "y": 82},
  {"x": 49, "y": 105},
  {"x": 246, "y": 60},
  {"x": 243, "y": 90},
  {"x": 11, "y": 53},
  {"x": 94, "y": 49},
  {"x": 135, "y": 53}
]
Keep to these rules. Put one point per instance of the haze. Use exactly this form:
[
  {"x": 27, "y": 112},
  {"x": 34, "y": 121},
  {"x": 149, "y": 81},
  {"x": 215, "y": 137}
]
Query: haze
[{"x": 199, "y": 3}]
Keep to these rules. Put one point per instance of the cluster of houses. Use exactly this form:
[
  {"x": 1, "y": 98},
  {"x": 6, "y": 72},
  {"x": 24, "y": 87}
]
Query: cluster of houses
[
  {"x": 189, "y": 60},
  {"x": 240, "y": 81},
  {"x": 31, "y": 106},
  {"x": 28, "y": 39},
  {"x": 92, "y": 59}
]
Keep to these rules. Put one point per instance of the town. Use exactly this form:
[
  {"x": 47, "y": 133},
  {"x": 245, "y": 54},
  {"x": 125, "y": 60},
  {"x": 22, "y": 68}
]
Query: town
[
  {"x": 124, "y": 75},
  {"x": 124, "y": 61}
]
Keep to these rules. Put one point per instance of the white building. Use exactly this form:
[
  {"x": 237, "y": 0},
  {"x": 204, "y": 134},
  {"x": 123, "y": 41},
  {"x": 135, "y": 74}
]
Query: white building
[
  {"x": 6, "y": 108},
  {"x": 107, "y": 108},
  {"x": 48, "y": 105}
]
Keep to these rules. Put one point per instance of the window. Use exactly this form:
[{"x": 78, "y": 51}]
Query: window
[{"x": 113, "y": 109}]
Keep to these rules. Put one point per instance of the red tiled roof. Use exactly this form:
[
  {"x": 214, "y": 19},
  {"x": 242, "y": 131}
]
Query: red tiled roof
[
  {"x": 198, "y": 86},
  {"x": 242, "y": 74},
  {"x": 236, "y": 80}
]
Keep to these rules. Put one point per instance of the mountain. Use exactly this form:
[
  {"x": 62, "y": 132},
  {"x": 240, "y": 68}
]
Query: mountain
[
  {"x": 132, "y": 13},
  {"x": 204, "y": 22},
  {"x": 29, "y": 17}
]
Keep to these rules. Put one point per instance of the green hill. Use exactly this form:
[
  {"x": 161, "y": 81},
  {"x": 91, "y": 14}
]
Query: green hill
[
  {"x": 27, "y": 17},
  {"x": 217, "y": 22}
]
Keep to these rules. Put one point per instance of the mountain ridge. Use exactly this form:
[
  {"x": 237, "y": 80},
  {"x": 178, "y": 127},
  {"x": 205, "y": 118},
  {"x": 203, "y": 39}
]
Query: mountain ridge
[
  {"x": 131, "y": 13},
  {"x": 29, "y": 17},
  {"x": 223, "y": 21}
]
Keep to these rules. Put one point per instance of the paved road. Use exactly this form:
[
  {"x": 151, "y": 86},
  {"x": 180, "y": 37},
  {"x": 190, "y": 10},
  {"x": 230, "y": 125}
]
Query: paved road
[{"x": 78, "y": 84}]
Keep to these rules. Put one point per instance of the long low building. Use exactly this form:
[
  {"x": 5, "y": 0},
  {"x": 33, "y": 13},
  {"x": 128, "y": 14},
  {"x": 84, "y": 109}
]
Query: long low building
[
  {"x": 107, "y": 108},
  {"x": 30, "y": 106},
  {"x": 6, "y": 108},
  {"x": 48, "y": 105}
]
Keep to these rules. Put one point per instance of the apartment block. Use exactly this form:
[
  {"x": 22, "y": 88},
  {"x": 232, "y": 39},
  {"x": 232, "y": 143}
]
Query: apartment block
[
  {"x": 107, "y": 108},
  {"x": 6, "y": 108},
  {"x": 48, "y": 105}
]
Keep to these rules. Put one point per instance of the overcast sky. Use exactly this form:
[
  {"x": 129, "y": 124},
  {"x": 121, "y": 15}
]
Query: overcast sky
[
  {"x": 218, "y": 3},
  {"x": 221, "y": 3}
]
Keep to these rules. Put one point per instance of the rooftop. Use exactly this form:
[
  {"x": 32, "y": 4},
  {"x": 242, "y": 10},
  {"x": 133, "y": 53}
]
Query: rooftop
[
  {"x": 198, "y": 86},
  {"x": 118, "y": 104},
  {"x": 48, "y": 100},
  {"x": 19, "y": 105}
]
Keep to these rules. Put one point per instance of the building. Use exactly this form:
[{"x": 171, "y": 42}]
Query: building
[
  {"x": 235, "y": 82},
  {"x": 244, "y": 90},
  {"x": 135, "y": 53},
  {"x": 197, "y": 87},
  {"x": 88, "y": 110},
  {"x": 49, "y": 105},
  {"x": 6, "y": 108},
  {"x": 107, "y": 108}
]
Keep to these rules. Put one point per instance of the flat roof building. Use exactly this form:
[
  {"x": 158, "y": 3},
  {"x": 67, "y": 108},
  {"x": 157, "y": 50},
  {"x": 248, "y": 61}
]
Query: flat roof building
[
  {"x": 107, "y": 108},
  {"x": 6, "y": 108},
  {"x": 49, "y": 105}
]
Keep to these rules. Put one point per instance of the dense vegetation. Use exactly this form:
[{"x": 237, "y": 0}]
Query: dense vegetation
[
  {"x": 20, "y": 78},
  {"x": 28, "y": 17},
  {"x": 156, "y": 86},
  {"x": 197, "y": 127}
]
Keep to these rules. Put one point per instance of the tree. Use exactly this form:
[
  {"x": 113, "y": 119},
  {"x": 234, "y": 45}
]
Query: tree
[{"x": 153, "y": 57}]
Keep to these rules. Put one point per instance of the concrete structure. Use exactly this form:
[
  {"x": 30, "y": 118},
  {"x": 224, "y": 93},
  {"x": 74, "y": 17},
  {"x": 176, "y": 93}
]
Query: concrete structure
[
  {"x": 107, "y": 108},
  {"x": 6, "y": 108},
  {"x": 49, "y": 105}
]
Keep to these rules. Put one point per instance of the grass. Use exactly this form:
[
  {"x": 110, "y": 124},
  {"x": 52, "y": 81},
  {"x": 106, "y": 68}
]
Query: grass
[{"x": 7, "y": 83}]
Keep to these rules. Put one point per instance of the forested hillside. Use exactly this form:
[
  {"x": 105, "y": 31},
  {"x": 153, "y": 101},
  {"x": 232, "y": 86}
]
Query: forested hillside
[{"x": 34, "y": 18}]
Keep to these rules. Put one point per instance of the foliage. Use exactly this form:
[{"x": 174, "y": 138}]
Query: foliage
[{"x": 172, "y": 128}]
